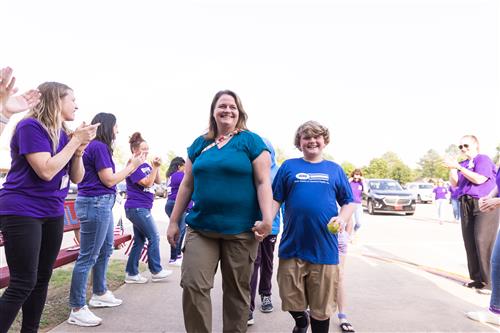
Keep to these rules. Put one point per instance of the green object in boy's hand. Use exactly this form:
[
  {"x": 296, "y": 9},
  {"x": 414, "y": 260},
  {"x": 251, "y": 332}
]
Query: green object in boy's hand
[{"x": 333, "y": 227}]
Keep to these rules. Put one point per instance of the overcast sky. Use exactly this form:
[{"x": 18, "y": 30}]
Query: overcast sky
[{"x": 401, "y": 76}]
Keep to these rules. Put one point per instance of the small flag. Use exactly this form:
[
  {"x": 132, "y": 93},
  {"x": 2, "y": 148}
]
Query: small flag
[{"x": 144, "y": 252}]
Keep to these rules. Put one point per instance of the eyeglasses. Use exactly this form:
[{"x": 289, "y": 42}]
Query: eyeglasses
[{"x": 463, "y": 146}]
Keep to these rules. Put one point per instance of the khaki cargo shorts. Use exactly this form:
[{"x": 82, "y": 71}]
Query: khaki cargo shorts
[{"x": 304, "y": 285}]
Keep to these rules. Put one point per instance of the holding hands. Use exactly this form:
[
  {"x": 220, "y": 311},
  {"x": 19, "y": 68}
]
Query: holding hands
[{"x": 261, "y": 230}]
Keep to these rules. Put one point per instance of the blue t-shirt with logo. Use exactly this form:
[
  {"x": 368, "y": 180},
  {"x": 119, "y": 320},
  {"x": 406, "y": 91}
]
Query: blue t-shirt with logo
[
  {"x": 139, "y": 196},
  {"x": 311, "y": 192},
  {"x": 224, "y": 194}
]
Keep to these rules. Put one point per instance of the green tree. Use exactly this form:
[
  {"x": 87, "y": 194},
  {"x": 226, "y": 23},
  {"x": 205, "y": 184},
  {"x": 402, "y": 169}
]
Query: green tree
[
  {"x": 496, "y": 159},
  {"x": 348, "y": 168},
  {"x": 431, "y": 165},
  {"x": 166, "y": 163},
  {"x": 401, "y": 172},
  {"x": 280, "y": 155},
  {"x": 452, "y": 151},
  {"x": 378, "y": 168}
]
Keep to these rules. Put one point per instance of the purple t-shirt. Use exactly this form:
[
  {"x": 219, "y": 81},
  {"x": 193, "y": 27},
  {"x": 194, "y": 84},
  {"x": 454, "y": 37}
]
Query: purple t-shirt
[
  {"x": 174, "y": 182},
  {"x": 96, "y": 158},
  {"x": 482, "y": 165},
  {"x": 454, "y": 192},
  {"x": 498, "y": 184},
  {"x": 24, "y": 193},
  {"x": 139, "y": 196},
  {"x": 357, "y": 190},
  {"x": 440, "y": 192}
]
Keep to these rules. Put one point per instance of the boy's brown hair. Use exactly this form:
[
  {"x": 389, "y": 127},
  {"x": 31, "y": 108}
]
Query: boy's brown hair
[{"x": 311, "y": 128}]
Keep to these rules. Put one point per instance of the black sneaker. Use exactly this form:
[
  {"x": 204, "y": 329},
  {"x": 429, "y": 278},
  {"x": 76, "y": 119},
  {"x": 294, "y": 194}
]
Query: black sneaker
[
  {"x": 250, "y": 320},
  {"x": 266, "y": 305}
]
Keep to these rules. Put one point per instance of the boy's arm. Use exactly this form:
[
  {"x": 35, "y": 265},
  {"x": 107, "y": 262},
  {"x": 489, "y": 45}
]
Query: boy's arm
[{"x": 345, "y": 213}]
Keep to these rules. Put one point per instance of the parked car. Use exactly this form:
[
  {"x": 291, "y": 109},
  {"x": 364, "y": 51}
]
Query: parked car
[
  {"x": 421, "y": 192},
  {"x": 387, "y": 196}
]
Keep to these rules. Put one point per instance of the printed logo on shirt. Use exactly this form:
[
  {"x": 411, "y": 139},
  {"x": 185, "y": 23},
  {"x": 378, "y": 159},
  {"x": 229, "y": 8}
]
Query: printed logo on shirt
[
  {"x": 146, "y": 170},
  {"x": 303, "y": 177}
]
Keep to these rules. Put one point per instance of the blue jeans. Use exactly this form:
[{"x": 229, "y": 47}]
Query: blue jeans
[
  {"x": 144, "y": 228},
  {"x": 456, "y": 208},
  {"x": 358, "y": 213},
  {"x": 495, "y": 277},
  {"x": 96, "y": 246},
  {"x": 176, "y": 251}
]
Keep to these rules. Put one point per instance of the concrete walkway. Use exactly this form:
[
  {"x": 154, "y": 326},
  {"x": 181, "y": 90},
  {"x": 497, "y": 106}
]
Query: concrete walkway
[{"x": 383, "y": 296}]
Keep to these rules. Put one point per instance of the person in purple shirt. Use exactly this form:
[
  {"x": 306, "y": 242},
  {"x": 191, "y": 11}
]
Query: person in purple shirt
[
  {"x": 356, "y": 182},
  {"x": 93, "y": 205},
  {"x": 486, "y": 204},
  {"x": 45, "y": 157},
  {"x": 175, "y": 174},
  {"x": 140, "y": 198},
  {"x": 440, "y": 193},
  {"x": 475, "y": 178},
  {"x": 455, "y": 203}
]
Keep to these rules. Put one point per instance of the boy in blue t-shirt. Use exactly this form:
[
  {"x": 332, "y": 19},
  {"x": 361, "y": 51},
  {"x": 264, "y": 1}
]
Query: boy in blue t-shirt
[{"x": 308, "y": 270}]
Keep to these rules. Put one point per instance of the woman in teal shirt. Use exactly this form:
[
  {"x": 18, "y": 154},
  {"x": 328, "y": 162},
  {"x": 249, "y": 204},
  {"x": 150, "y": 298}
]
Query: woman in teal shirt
[{"x": 227, "y": 176}]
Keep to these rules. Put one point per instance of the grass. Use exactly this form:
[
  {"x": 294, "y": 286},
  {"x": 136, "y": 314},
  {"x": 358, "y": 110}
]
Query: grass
[{"x": 57, "y": 308}]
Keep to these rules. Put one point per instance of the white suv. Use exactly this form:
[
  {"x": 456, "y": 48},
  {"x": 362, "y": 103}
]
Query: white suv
[{"x": 422, "y": 192}]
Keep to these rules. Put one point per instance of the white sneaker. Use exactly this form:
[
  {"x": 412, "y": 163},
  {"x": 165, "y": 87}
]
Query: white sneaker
[
  {"x": 107, "y": 300},
  {"x": 485, "y": 317},
  {"x": 83, "y": 317},
  {"x": 161, "y": 275},
  {"x": 135, "y": 278}
]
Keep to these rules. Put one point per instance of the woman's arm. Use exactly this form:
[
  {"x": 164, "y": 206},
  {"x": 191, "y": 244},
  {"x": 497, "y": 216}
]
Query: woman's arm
[
  {"x": 154, "y": 176},
  {"x": 109, "y": 179},
  {"x": 262, "y": 180}
]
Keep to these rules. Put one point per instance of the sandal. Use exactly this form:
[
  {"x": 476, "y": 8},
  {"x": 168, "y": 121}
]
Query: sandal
[{"x": 347, "y": 327}]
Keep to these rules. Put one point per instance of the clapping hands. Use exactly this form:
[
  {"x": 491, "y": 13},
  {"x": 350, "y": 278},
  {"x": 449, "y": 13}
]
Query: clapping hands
[{"x": 10, "y": 104}]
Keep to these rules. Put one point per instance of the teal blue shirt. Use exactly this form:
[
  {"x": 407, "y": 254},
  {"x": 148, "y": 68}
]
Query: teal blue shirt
[{"x": 224, "y": 194}]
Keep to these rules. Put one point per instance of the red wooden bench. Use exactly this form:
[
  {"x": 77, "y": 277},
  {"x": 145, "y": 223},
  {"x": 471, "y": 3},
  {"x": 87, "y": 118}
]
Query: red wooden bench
[{"x": 65, "y": 255}]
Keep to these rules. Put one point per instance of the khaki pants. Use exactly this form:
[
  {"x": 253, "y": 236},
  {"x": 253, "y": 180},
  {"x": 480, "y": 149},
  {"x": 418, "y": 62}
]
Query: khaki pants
[
  {"x": 304, "y": 285},
  {"x": 202, "y": 253}
]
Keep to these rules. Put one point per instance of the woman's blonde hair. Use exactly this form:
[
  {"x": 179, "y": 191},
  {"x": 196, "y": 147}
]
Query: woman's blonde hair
[
  {"x": 242, "y": 115},
  {"x": 311, "y": 129},
  {"x": 48, "y": 110}
]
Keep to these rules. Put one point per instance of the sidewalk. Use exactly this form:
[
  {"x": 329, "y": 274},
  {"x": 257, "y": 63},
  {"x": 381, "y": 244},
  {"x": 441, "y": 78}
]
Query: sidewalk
[{"x": 383, "y": 294}]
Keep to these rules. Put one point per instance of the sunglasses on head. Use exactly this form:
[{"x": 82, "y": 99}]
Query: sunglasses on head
[{"x": 463, "y": 146}]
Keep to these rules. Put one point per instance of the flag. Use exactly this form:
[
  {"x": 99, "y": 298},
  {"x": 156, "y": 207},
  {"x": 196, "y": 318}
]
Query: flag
[{"x": 144, "y": 253}]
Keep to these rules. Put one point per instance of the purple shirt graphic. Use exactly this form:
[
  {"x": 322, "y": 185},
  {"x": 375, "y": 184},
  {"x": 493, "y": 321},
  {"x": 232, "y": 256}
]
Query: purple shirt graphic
[
  {"x": 482, "y": 165},
  {"x": 139, "y": 196},
  {"x": 357, "y": 190},
  {"x": 96, "y": 158},
  {"x": 24, "y": 193},
  {"x": 440, "y": 192}
]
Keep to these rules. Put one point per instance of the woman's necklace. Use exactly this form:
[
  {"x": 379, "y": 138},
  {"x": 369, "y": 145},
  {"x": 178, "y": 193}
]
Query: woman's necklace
[{"x": 222, "y": 139}]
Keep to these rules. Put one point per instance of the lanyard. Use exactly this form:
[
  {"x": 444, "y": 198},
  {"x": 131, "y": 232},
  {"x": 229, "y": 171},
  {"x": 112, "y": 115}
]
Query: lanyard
[{"x": 222, "y": 139}]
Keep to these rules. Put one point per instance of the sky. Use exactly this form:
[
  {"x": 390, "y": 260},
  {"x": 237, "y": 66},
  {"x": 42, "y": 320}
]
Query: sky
[{"x": 403, "y": 76}]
